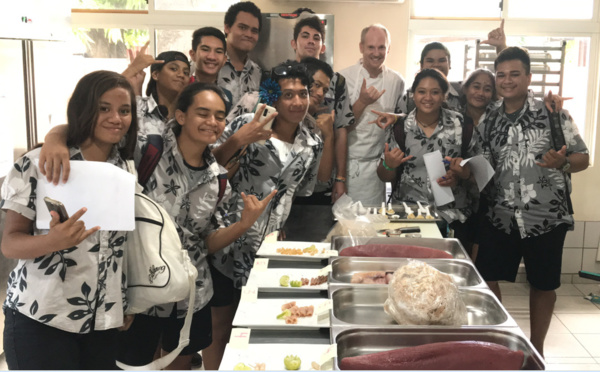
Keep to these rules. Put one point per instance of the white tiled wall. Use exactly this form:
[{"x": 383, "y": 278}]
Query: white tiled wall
[{"x": 579, "y": 253}]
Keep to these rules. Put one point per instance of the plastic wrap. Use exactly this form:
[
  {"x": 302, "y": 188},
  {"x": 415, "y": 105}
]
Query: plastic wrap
[
  {"x": 353, "y": 220},
  {"x": 419, "y": 294}
]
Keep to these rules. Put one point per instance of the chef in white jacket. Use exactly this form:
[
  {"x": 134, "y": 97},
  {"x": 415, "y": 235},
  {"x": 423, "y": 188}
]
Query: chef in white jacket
[{"x": 372, "y": 86}]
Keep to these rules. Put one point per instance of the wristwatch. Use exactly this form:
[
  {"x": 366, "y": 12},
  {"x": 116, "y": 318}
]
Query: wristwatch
[{"x": 567, "y": 165}]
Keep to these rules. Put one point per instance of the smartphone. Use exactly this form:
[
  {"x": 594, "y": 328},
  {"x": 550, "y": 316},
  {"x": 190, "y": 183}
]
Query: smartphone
[
  {"x": 58, "y": 207},
  {"x": 268, "y": 111}
]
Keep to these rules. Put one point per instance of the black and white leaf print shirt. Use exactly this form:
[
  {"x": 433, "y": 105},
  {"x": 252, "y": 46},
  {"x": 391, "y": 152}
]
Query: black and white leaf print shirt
[
  {"x": 240, "y": 82},
  {"x": 260, "y": 172},
  {"x": 525, "y": 196},
  {"x": 73, "y": 289}
]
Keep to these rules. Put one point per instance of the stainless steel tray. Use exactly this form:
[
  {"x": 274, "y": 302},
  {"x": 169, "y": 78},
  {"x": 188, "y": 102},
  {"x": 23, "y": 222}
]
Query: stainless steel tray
[
  {"x": 451, "y": 246},
  {"x": 353, "y": 341},
  {"x": 362, "y": 305},
  {"x": 463, "y": 272}
]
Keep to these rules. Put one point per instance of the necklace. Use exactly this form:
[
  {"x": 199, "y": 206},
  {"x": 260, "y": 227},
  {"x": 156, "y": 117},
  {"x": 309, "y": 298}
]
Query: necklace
[{"x": 426, "y": 125}]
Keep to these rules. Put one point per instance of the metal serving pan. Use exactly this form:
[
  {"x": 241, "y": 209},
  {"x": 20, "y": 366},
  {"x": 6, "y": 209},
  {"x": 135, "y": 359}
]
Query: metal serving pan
[
  {"x": 463, "y": 272},
  {"x": 451, "y": 246},
  {"x": 362, "y": 305},
  {"x": 353, "y": 341}
]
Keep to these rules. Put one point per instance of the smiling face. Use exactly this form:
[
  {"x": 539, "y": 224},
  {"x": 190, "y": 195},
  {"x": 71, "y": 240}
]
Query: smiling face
[
  {"x": 428, "y": 96},
  {"x": 293, "y": 102},
  {"x": 173, "y": 76},
  {"x": 243, "y": 34},
  {"x": 374, "y": 49},
  {"x": 308, "y": 44},
  {"x": 209, "y": 57},
  {"x": 318, "y": 89},
  {"x": 479, "y": 93},
  {"x": 512, "y": 81},
  {"x": 204, "y": 120},
  {"x": 114, "y": 118},
  {"x": 437, "y": 58}
]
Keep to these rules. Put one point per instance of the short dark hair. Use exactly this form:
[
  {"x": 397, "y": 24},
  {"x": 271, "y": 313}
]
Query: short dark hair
[
  {"x": 293, "y": 70},
  {"x": 207, "y": 31},
  {"x": 433, "y": 46},
  {"x": 313, "y": 22},
  {"x": 83, "y": 109},
  {"x": 431, "y": 73},
  {"x": 186, "y": 99},
  {"x": 169, "y": 56},
  {"x": 471, "y": 79},
  {"x": 512, "y": 53},
  {"x": 313, "y": 65},
  {"x": 243, "y": 6}
]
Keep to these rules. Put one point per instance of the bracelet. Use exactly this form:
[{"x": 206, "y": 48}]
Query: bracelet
[
  {"x": 387, "y": 167},
  {"x": 340, "y": 179}
]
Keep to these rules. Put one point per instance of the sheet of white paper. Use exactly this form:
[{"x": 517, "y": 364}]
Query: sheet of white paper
[
  {"x": 105, "y": 190},
  {"x": 481, "y": 169},
  {"x": 435, "y": 169}
]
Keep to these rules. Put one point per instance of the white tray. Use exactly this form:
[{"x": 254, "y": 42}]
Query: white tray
[
  {"x": 269, "y": 250},
  {"x": 268, "y": 280},
  {"x": 262, "y": 314},
  {"x": 272, "y": 355}
]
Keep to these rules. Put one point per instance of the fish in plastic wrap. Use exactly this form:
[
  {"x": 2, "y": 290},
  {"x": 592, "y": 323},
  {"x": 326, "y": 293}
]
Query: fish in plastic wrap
[{"x": 419, "y": 294}]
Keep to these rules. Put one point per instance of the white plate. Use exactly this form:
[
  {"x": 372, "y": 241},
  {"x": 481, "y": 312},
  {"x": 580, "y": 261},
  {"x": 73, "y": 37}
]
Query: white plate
[
  {"x": 270, "y": 250},
  {"x": 272, "y": 355},
  {"x": 268, "y": 280},
  {"x": 262, "y": 314}
]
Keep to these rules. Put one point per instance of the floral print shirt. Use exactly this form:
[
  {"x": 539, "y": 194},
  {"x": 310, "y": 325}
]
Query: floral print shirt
[
  {"x": 190, "y": 198},
  {"x": 414, "y": 183},
  {"x": 525, "y": 196},
  {"x": 260, "y": 172},
  {"x": 238, "y": 83},
  {"x": 77, "y": 290}
]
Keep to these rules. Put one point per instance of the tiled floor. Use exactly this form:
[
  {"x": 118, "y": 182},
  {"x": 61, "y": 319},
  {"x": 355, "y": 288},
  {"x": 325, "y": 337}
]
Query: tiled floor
[{"x": 573, "y": 341}]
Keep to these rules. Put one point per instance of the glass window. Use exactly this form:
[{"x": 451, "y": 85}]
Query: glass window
[
  {"x": 457, "y": 9},
  {"x": 551, "y": 9},
  {"x": 110, "y": 4},
  {"x": 178, "y": 40},
  {"x": 197, "y": 5}
]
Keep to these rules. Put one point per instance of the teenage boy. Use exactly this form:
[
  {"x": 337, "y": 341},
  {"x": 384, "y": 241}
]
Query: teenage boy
[
  {"x": 372, "y": 86},
  {"x": 243, "y": 23},
  {"x": 288, "y": 162},
  {"x": 529, "y": 212},
  {"x": 309, "y": 34}
]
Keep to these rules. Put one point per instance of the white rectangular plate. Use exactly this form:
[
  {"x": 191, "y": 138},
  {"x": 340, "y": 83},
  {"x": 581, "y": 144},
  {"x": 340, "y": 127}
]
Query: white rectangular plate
[
  {"x": 262, "y": 314},
  {"x": 270, "y": 250},
  {"x": 272, "y": 355},
  {"x": 268, "y": 281}
]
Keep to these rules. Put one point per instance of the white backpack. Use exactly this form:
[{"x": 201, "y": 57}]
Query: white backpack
[{"x": 159, "y": 270}]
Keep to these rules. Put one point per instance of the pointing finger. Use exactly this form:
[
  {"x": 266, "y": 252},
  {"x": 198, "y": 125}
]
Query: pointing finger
[{"x": 502, "y": 24}]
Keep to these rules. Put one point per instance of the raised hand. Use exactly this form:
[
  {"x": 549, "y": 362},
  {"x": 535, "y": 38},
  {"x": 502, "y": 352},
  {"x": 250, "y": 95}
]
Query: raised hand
[
  {"x": 253, "y": 207},
  {"x": 254, "y": 130},
  {"x": 325, "y": 123},
  {"x": 553, "y": 158},
  {"x": 369, "y": 95},
  {"x": 69, "y": 233},
  {"x": 384, "y": 119},
  {"x": 556, "y": 99},
  {"x": 139, "y": 61},
  {"x": 395, "y": 157},
  {"x": 497, "y": 38}
]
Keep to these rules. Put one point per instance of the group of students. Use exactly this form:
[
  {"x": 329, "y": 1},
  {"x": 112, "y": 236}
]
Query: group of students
[{"x": 66, "y": 306}]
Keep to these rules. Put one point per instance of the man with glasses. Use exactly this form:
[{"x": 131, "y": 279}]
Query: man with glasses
[{"x": 288, "y": 162}]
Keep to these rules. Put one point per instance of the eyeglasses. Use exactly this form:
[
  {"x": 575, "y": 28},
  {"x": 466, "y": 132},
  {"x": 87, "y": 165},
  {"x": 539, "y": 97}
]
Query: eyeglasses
[{"x": 286, "y": 70}]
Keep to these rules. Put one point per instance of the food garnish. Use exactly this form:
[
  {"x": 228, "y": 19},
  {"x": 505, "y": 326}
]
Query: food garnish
[{"x": 292, "y": 362}]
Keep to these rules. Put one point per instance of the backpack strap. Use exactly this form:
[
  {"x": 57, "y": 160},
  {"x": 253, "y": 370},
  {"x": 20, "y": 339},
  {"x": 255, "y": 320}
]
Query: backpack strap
[
  {"x": 222, "y": 186},
  {"x": 150, "y": 158},
  {"x": 467, "y": 135},
  {"x": 557, "y": 139}
]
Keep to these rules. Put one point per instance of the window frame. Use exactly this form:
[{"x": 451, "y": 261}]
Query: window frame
[{"x": 529, "y": 27}]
